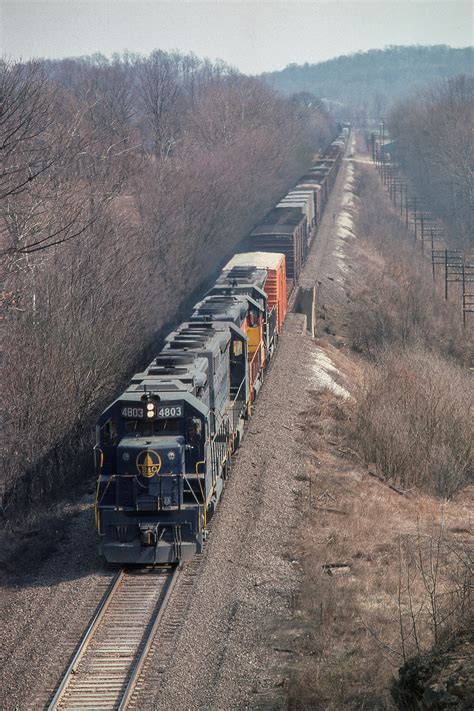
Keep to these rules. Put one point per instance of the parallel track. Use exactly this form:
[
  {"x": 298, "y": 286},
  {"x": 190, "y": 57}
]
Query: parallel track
[{"x": 109, "y": 659}]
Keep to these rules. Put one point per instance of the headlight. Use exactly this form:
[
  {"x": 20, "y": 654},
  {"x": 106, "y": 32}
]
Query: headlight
[
  {"x": 171, "y": 456},
  {"x": 150, "y": 407}
]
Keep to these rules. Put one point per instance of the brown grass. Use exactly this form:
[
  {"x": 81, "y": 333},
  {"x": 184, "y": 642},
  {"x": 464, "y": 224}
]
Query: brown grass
[
  {"x": 413, "y": 420},
  {"x": 363, "y": 620},
  {"x": 413, "y": 415},
  {"x": 394, "y": 299},
  {"x": 386, "y": 569}
]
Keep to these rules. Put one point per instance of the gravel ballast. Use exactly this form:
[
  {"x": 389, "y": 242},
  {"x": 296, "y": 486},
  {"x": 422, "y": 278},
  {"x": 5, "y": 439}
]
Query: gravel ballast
[
  {"x": 47, "y": 605},
  {"x": 231, "y": 651}
]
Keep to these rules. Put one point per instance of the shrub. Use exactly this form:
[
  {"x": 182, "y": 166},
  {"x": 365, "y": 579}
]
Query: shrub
[{"x": 413, "y": 421}]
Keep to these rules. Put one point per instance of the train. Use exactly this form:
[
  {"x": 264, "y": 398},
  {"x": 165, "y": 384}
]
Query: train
[{"x": 164, "y": 447}]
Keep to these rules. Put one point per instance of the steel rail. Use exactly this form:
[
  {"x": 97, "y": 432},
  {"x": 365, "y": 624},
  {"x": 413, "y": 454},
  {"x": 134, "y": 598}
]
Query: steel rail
[
  {"x": 85, "y": 641},
  {"x": 144, "y": 653},
  {"x": 129, "y": 675}
]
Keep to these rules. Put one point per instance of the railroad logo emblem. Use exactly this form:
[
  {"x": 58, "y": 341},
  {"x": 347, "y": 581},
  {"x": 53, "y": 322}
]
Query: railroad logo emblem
[{"x": 148, "y": 463}]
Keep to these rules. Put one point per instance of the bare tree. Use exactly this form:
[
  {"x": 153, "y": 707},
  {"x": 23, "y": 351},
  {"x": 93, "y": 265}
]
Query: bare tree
[
  {"x": 434, "y": 136},
  {"x": 125, "y": 183}
]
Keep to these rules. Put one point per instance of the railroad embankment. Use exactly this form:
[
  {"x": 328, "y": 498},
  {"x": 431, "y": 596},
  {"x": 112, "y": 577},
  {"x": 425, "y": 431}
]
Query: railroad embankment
[
  {"x": 341, "y": 550},
  {"x": 385, "y": 545}
]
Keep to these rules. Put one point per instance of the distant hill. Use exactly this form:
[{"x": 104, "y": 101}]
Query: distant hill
[{"x": 370, "y": 81}]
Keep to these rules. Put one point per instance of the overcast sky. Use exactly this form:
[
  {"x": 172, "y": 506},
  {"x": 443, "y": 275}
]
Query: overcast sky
[{"x": 253, "y": 36}]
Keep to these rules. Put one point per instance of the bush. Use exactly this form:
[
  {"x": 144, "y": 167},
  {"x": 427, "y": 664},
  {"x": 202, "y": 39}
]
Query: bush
[{"x": 413, "y": 421}]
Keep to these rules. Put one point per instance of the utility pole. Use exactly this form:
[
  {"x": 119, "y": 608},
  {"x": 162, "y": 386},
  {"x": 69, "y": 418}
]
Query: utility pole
[
  {"x": 414, "y": 215},
  {"x": 406, "y": 205},
  {"x": 382, "y": 150},
  {"x": 464, "y": 300},
  {"x": 445, "y": 273},
  {"x": 432, "y": 250}
]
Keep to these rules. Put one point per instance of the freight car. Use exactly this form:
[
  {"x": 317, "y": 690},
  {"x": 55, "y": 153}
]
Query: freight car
[
  {"x": 285, "y": 230},
  {"x": 164, "y": 446},
  {"x": 310, "y": 194},
  {"x": 306, "y": 204},
  {"x": 315, "y": 187}
]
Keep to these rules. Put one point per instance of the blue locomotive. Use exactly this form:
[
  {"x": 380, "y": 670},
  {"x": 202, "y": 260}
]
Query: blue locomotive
[{"x": 164, "y": 446}]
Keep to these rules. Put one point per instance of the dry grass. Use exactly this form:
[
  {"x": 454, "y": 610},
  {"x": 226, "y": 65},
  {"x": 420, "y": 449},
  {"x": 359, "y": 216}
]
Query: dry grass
[
  {"x": 394, "y": 298},
  {"x": 387, "y": 572},
  {"x": 413, "y": 420},
  {"x": 414, "y": 410},
  {"x": 363, "y": 620}
]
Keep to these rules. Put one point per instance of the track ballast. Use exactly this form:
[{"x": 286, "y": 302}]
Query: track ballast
[{"x": 106, "y": 666}]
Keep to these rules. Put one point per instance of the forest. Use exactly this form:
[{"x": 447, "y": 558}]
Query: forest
[
  {"x": 366, "y": 84},
  {"x": 124, "y": 184}
]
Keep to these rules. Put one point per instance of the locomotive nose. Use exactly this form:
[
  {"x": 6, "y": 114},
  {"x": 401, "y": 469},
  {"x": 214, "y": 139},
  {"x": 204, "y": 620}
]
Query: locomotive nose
[
  {"x": 152, "y": 470},
  {"x": 147, "y": 458}
]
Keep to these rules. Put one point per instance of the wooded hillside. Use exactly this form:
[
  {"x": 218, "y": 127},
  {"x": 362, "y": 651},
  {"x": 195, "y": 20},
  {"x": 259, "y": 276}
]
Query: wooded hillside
[
  {"x": 123, "y": 185},
  {"x": 370, "y": 81}
]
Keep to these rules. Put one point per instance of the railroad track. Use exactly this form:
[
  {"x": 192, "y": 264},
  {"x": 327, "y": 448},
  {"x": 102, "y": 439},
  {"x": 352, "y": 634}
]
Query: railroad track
[{"x": 107, "y": 664}]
